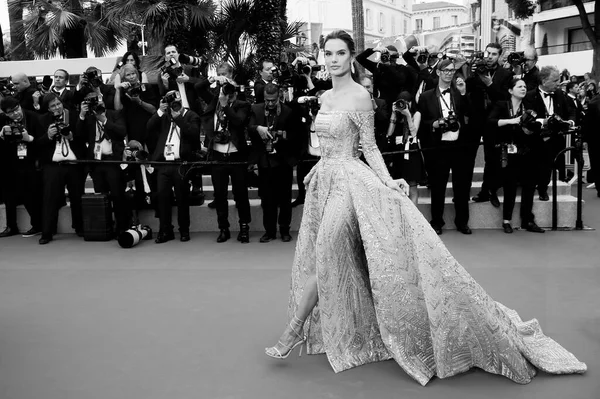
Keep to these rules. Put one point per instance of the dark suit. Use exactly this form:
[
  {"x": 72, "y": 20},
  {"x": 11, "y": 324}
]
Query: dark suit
[
  {"x": 447, "y": 155},
  {"x": 237, "y": 116},
  {"x": 521, "y": 167},
  {"x": 259, "y": 91},
  {"x": 482, "y": 98},
  {"x": 58, "y": 175},
  {"x": 575, "y": 110},
  {"x": 427, "y": 75},
  {"x": 21, "y": 182},
  {"x": 168, "y": 176},
  {"x": 552, "y": 146},
  {"x": 25, "y": 98},
  {"x": 107, "y": 177},
  {"x": 276, "y": 171},
  {"x": 590, "y": 125},
  {"x": 67, "y": 98},
  {"x": 531, "y": 78}
]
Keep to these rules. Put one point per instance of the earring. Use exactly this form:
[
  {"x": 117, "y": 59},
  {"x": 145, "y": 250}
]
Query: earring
[{"x": 352, "y": 70}]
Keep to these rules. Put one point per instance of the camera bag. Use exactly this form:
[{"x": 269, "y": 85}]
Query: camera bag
[{"x": 97, "y": 217}]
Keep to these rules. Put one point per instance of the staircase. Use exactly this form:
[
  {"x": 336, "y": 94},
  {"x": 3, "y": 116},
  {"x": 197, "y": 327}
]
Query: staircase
[{"x": 482, "y": 215}]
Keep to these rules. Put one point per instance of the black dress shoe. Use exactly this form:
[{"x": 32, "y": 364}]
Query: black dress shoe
[
  {"x": 212, "y": 205},
  {"x": 494, "y": 200},
  {"x": 507, "y": 228},
  {"x": 543, "y": 195},
  {"x": 464, "y": 229},
  {"x": 184, "y": 237},
  {"x": 297, "y": 202},
  {"x": 244, "y": 234},
  {"x": 163, "y": 237},
  {"x": 267, "y": 238},
  {"x": 9, "y": 231},
  {"x": 32, "y": 232},
  {"x": 45, "y": 240},
  {"x": 224, "y": 235},
  {"x": 286, "y": 237},
  {"x": 534, "y": 228},
  {"x": 481, "y": 197},
  {"x": 437, "y": 229}
]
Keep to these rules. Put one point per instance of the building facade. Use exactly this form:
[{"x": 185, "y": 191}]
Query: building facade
[
  {"x": 383, "y": 18},
  {"x": 438, "y": 15}
]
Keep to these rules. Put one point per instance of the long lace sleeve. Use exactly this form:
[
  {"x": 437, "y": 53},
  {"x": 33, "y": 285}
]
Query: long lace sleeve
[{"x": 365, "y": 122}]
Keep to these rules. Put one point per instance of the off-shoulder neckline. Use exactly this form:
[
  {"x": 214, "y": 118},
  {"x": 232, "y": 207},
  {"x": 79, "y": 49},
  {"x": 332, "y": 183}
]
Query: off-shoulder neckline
[{"x": 346, "y": 112}]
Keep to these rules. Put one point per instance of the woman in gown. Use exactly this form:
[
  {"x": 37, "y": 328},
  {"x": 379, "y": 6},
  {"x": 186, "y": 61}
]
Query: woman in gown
[{"x": 386, "y": 286}]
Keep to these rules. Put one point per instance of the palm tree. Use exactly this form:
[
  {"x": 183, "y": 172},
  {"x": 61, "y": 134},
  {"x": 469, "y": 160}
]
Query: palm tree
[
  {"x": 18, "y": 49},
  {"x": 358, "y": 25},
  {"x": 270, "y": 32},
  {"x": 66, "y": 27}
]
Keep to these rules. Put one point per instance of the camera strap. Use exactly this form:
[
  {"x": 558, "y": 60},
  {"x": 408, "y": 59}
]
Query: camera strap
[
  {"x": 100, "y": 137},
  {"x": 174, "y": 129},
  {"x": 448, "y": 107}
]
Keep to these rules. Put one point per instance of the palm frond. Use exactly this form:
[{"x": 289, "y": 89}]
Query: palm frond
[
  {"x": 292, "y": 30},
  {"x": 202, "y": 13},
  {"x": 101, "y": 39}
]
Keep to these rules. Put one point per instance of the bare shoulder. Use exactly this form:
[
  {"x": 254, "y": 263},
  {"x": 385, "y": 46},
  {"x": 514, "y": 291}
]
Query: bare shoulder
[{"x": 361, "y": 98}]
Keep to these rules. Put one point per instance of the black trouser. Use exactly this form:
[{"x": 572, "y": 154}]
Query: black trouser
[
  {"x": 523, "y": 169},
  {"x": 550, "y": 149},
  {"x": 594, "y": 153},
  {"x": 169, "y": 179},
  {"x": 22, "y": 184},
  {"x": 302, "y": 169},
  {"x": 56, "y": 176},
  {"x": 220, "y": 179},
  {"x": 448, "y": 157},
  {"x": 276, "y": 192},
  {"x": 108, "y": 179}
]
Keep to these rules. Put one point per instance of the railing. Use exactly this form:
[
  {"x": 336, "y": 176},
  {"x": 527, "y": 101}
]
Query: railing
[{"x": 564, "y": 48}]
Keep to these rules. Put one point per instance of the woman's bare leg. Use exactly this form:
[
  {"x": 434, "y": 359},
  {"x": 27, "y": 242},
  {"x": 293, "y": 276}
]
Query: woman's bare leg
[{"x": 293, "y": 332}]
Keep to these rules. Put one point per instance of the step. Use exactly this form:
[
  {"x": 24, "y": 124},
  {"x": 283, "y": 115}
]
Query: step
[{"x": 482, "y": 215}]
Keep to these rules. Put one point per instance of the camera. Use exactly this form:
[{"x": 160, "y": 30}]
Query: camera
[
  {"x": 401, "y": 104},
  {"x": 478, "y": 62},
  {"x": 449, "y": 124},
  {"x": 94, "y": 78},
  {"x": 15, "y": 133},
  {"x": 306, "y": 69},
  {"x": 516, "y": 58},
  {"x": 94, "y": 105},
  {"x": 135, "y": 89},
  {"x": 385, "y": 57},
  {"x": 6, "y": 88},
  {"x": 423, "y": 57},
  {"x": 190, "y": 60},
  {"x": 282, "y": 75},
  {"x": 228, "y": 88},
  {"x": 222, "y": 137},
  {"x": 556, "y": 125},
  {"x": 312, "y": 102},
  {"x": 173, "y": 99},
  {"x": 277, "y": 134},
  {"x": 137, "y": 154},
  {"x": 172, "y": 69},
  {"x": 63, "y": 129},
  {"x": 529, "y": 121}
]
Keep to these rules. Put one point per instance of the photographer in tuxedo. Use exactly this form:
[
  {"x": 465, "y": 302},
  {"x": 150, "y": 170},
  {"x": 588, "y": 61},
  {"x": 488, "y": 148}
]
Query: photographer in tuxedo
[
  {"x": 179, "y": 72},
  {"x": 91, "y": 81},
  {"x": 104, "y": 131},
  {"x": 265, "y": 73},
  {"x": 443, "y": 126},
  {"x": 272, "y": 129},
  {"x": 224, "y": 123},
  {"x": 547, "y": 100},
  {"x": 423, "y": 63},
  {"x": 61, "y": 142},
  {"x": 175, "y": 130},
  {"x": 487, "y": 84},
  {"x": 20, "y": 180}
]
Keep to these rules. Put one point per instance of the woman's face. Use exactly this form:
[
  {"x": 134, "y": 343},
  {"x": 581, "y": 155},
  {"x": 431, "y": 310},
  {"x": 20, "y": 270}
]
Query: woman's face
[
  {"x": 519, "y": 90},
  {"x": 337, "y": 57},
  {"x": 131, "y": 76},
  {"x": 130, "y": 60}
]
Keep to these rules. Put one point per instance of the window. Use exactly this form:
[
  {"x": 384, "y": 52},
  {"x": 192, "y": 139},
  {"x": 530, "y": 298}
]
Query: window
[
  {"x": 368, "y": 19},
  {"x": 381, "y": 22},
  {"x": 436, "y": 22},
  {"x": 393, "y": 25},
  {"x": 493, "y": 5},
  {"x": 455, "y": 20},
  {"x": 578, "y": 40},
  {"x": 405, "y": 27},
  {"x": 418, "y": 25}
]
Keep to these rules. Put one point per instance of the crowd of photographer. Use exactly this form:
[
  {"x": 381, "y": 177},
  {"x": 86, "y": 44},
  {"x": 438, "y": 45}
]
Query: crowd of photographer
[{"x": 132, "y": 137}]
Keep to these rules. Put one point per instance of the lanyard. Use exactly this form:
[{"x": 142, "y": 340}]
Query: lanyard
[
  {"x": 173, "y": 129},
  {"x": 100, "y": 127},
  {"x": 451, "y": 107},
  {"x": 519, "y": 112}
]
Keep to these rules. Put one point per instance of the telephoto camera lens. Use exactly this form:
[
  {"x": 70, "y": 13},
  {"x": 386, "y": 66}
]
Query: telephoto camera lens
[{"x": 134, "y": 235}]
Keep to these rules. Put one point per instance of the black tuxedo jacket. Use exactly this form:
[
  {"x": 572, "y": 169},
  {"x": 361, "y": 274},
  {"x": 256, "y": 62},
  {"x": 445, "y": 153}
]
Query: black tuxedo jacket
[
  {"x": 67, "y": 98},
  {"x": 8, "y": 151},
  {"x": 591, "y": 121},
  {"x": 159, "y": 128},
  {"x": 533, "y": 100},
  {"x": 575, "y": 110},
  {"x": 431, "y": 110},
  {"x": 25, "y": 98},
  {"x": 497, "y": 91},
  {"x": 114, "y": 130},
  {"x": 287, "y": 150},
  {"x": 46, "y": 146},
  {"x": 427, "y": 75},
  {"x": 511, "y": 133},
  {"x": 259, "y": 91},
  {"x": 237, "y": 114}
]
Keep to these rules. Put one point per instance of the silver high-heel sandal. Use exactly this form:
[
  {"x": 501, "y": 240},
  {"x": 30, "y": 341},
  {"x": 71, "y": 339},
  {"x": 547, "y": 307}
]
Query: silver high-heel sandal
[{"x": 296, "y": 322}]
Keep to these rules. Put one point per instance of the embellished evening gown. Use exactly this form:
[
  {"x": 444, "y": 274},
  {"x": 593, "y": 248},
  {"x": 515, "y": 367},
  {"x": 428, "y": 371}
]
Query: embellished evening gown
[{"x": 387, "y": 286}]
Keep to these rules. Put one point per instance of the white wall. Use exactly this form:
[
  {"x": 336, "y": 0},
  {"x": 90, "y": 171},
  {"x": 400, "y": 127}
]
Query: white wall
[{"x": 445, "y": 15}]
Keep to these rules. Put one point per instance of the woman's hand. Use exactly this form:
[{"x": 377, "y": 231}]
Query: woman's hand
[{"x": 399, "y": 185}]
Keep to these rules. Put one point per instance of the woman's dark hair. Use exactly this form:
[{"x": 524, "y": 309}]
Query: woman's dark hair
[
  {"x": 346, "y": 38},
  {"x": 48, "y": 98},
  {"x": 514, "y": 81},
  {"x": 123, "y": 60}
]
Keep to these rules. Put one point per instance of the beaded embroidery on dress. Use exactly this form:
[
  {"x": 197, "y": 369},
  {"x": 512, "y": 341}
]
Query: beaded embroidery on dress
[{"x": 387, "y": 285}]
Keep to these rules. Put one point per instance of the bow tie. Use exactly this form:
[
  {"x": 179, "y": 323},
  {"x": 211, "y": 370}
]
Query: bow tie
[
  {"x": 445, "y": 91},
  {"x": 551, "y": 95}
]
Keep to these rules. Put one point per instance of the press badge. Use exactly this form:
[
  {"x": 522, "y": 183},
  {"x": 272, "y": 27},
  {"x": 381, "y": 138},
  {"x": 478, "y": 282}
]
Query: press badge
[
  {"x": 398, "y": 140},
  {"x": 22, "y": 150},
  {"x": 98, "y": 151},
  {"x": 169, "y": 153},
  {"x": 512, "y": 149}
]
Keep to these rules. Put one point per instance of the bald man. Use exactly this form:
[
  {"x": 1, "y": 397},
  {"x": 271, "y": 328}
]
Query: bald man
[
  {"x": 24, "y": 91},
  {"x": 529, "y": 72}
]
